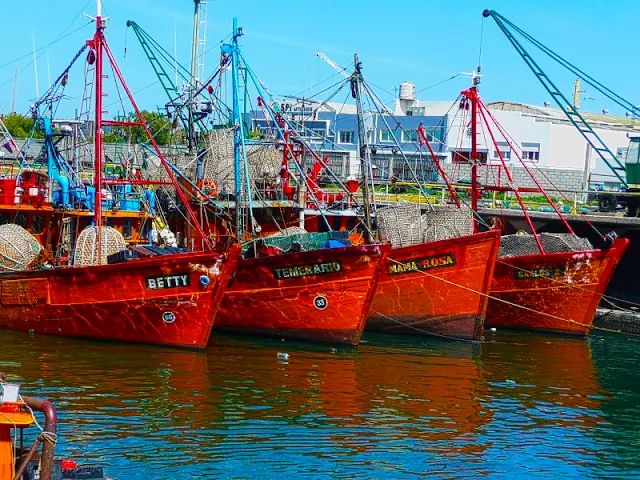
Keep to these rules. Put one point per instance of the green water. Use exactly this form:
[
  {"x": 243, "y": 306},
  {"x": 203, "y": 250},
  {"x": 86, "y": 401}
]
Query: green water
[{"x": 396, "y": 407}]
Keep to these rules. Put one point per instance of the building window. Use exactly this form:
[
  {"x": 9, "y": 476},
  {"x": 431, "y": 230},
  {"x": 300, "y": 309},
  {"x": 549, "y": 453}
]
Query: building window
[
  {"x": 464, "y": 156},
  {"x": 504, "y": 149},
  {"x": 346, "y": 136},
  {"x": 531, "y": 152},
  {"x": 318, "y": 133},
  {"x": 386, "y": 136},
  {"x": 409, "y": 136}
]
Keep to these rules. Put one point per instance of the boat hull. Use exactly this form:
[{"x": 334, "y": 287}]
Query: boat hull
[
  {"x": 158, "y": 300},
  {"x": 556, "y": 292},
  {"x": 321, "y": 295},
  {"x": 437, "y": 288}
]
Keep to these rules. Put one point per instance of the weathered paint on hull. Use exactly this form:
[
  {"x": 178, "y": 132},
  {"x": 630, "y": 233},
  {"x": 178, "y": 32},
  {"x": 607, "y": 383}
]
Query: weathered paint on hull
[
  {"x": 115, "y": 302},
  {"x": 448, "y": 297},
  {"x": 568, "y": 286},
  {"x": 329, "y": 306}
]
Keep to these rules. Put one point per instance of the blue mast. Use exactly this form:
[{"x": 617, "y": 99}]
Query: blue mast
[{"x": 239, "y": 147}]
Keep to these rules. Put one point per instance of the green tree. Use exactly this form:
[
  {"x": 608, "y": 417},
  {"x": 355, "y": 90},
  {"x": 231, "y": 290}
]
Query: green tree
[
  {"x": 20, "y": 126},
  {"x": 158, "y": 124}
]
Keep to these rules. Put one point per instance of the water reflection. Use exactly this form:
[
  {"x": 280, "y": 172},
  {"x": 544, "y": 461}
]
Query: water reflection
[{"x": 395, "y": 407}]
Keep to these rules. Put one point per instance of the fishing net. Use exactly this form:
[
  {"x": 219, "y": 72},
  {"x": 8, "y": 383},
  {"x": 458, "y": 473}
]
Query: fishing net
[
  {"x": 518, "y": 245},
  {"x": 86, "y": 251},
  {"x": 405, "y": 224},
  {"x": 18, "y": 248},
  {"x": 306, "y": 241}
]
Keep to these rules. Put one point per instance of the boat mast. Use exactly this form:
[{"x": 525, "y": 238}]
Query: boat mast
[
  {"x": 363, "y": 146},
  {"x": 238, "y": 135},
  {"x": 98, "y": 41},
  {"x": 474, "y": 155}
]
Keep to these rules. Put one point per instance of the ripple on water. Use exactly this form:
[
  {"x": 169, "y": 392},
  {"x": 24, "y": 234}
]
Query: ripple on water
[{"x": 396, "y": 407}]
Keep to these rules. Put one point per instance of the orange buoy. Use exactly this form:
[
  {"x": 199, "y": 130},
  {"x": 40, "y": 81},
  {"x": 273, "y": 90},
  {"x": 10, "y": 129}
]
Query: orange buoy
[{"x": 208, "y": 188}]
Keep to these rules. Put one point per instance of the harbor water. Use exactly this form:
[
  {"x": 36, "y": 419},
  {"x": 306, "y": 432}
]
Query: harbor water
[{"x": 519, "y": 405}]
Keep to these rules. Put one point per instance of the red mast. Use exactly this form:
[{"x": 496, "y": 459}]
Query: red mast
[
  {"x": 97, "y": 47},
  {"x": 474, "y": 155}
]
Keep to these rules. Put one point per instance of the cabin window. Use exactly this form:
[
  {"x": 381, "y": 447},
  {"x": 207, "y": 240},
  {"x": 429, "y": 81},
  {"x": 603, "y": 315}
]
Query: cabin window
[
  {"x": 127, "y": 228},
  {"x": 346, "y": 136},
  {"x": 20, "y": 219},
  {"x": 385, "y": 136},
  {"x": 37, "y": 224}
]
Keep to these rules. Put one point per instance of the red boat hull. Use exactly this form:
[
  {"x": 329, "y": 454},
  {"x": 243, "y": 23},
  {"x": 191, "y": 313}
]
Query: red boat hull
[
  {"x": 556, "y": 292},
  {"x": 158, "y": 300},
  {"x": 442, "y": 297},
  {"x": 321, "y": 295}
]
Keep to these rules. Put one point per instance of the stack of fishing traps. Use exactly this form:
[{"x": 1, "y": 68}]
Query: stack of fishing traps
[
  {"x": 405, "y": 224},
  {"x": 525, "y": 244},
  {"x": 18, "y": 248}
]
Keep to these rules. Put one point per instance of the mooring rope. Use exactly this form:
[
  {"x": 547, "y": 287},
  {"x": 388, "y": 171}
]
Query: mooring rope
[
  {"x": 426, "y": 332},
  {"x": 512, "y": 304}
]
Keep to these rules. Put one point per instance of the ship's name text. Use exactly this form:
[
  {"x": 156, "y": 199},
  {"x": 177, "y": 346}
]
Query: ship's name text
[
  {"x": 168, "y": 281},
  {"x": 422, "y": 264},
  {"x": 306, "y": 270}
]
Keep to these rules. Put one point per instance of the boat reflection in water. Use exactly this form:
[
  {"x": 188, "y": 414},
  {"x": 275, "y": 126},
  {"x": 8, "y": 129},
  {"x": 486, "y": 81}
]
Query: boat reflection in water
[{"x": 397, "y": 404}]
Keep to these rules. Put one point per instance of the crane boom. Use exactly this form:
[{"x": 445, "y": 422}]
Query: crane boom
[
  {"x": 559, "y": 98},
  {"x": 333, "y": 65}
]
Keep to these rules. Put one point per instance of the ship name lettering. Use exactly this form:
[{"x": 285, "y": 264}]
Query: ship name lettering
[
  {"x": 168, "y": 281},
  {"x": 422, "y": 264},
  {"x": 297, "y": 271}
]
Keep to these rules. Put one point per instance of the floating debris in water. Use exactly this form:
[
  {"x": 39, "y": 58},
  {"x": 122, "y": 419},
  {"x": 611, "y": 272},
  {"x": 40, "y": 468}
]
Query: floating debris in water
[{"x": 283, "y": 356}]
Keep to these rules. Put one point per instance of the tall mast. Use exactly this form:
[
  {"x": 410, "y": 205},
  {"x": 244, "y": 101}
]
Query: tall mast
[
  {"x": 98, "y": 41},
  {"x": 238, "y": 135},
  {"x": 192, "y": 85},
  {"x": 363, "y": 146},
  {"x": 474, "y": 154},
  {"x": 197, "y": 66}
]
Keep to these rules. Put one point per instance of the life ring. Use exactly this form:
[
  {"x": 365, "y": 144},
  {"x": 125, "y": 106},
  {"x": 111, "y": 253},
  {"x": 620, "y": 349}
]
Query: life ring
[{"x": 208, "y": 188}]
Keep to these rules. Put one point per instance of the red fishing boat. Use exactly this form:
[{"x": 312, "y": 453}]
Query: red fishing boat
[
  {"x": 321, "y": 295},
  {"x": 171, "y": 297},
  {"x": 165, "y": 300},
  {"x": 546, "y": 282},
  {"x": 555, "y": 292},
  {"x": 436, "y": 288}
]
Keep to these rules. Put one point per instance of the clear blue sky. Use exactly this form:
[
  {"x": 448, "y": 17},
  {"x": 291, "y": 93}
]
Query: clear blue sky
[{"x": 425, "y": 42}]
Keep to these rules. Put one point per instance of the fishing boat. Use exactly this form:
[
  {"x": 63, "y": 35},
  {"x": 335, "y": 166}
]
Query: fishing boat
[
  {"x": 303, "y": 286},
  {"x": 158, "y": 295},
  {"x": 542, "y": 281},
  {"x": 436, "y": 277}
]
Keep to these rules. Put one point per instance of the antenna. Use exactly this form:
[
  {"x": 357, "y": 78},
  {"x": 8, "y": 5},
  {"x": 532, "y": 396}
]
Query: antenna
[
  {"x": 35, "y": 62},
  {"x": 175, "y": 52},
  {"x": 15, "y": 91},
  {"x": 48, "y": 68}
]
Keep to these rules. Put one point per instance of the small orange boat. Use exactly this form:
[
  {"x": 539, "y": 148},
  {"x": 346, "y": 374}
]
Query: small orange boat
[
  {"x": 436, "y": 288},
  {"x": 320, "y": 295}
]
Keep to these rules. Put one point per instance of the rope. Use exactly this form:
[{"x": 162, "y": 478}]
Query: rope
[
  {"x": 512, "y": 304},
  {"x": 426, "y": 332}
]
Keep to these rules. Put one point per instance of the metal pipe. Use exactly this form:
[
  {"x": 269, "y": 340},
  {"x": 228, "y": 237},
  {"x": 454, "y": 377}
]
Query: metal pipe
[{"x": 50, "y": 429}]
